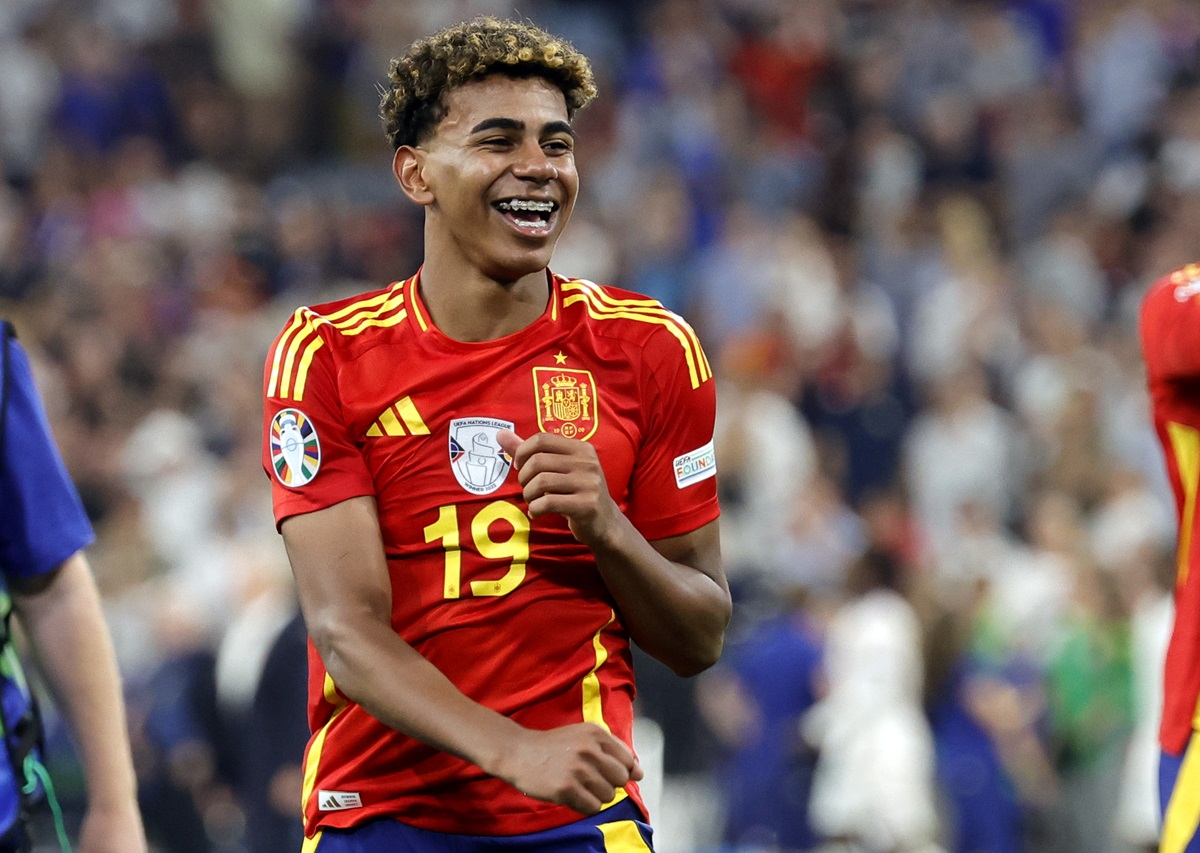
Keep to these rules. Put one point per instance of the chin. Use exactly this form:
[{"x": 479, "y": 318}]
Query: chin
[{"x": 519, "y": 264}]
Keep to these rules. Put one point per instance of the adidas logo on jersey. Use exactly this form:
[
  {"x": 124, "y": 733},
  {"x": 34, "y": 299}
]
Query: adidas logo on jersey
[
  {"x": 332, "y": 801},
  {"x": 400, "y": 418}
]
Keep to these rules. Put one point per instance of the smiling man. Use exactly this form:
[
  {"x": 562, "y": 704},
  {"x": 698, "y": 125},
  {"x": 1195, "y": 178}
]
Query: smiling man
[{"x": 490, "y": 480}]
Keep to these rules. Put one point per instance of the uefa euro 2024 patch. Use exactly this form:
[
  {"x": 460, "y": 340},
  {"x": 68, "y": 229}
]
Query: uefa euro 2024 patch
[
  {"x": 295, "y": 448},
  {"x": 479, "y": 464},
  {"x": 691, "y": 468}
]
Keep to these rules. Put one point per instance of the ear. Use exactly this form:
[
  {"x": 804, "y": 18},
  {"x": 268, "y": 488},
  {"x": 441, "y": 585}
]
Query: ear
[{"x": 408, "y": 165}]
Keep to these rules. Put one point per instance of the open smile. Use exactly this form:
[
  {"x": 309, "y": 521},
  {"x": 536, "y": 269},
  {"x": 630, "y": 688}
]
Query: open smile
[{"x": 528, "y": 216}]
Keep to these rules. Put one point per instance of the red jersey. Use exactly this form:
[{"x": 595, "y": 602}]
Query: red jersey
[
  {"x": 366, "y": 396},
  {"x": 1170, "y": 331}
]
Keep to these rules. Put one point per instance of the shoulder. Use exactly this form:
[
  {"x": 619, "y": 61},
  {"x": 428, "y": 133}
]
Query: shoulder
[
  {"x": 1180, "y": 286},
  {"x": 663, "y": 336},
  {"x": 340, "y": 330},
  {"x": 1170, "y": 299},
  {"x": 344, "y": 323}
]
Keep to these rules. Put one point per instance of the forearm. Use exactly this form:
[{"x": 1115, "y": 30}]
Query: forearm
[
  {"x": 579, "y": 765},
  {"x": 375, "y": 668},
  {"x": 71, "y": 641},
  {"x": 675, "y": 612}
]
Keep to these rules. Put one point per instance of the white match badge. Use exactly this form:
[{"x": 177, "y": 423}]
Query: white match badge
[{"x": 479, "y": 464}]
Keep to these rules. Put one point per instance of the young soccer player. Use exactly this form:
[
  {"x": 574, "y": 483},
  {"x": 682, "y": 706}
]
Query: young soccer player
[
  {"x": 490, "y": 479},
  {"x": 1170, "y": 332}
]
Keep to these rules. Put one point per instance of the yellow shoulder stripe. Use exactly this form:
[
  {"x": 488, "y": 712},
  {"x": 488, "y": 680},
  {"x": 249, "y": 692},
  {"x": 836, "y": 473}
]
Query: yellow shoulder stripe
[
  {"x": 301, "y": 339},
  {"x": 602, "y": 306}
]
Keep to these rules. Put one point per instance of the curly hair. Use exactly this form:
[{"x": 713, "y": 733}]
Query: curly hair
[{"x": 414, "y": 102}]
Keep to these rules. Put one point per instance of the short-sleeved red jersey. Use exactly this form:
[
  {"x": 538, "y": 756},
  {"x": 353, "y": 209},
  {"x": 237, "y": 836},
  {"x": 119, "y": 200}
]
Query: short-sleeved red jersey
[
  {"x": 1170, "y": 332},
  {"x": 367, "y": 397}
]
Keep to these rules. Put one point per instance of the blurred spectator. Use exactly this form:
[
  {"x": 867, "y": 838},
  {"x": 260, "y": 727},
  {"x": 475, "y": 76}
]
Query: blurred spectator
[
  {"x": 1090, "y": 695},
  {"x": 1137, "y": 817},
  {"x": 754, "y": 702},
  {"x": 962, "y": 449},
  {"x": 275, "y": 739},
  {"x": 982, "y": 809},
  {"x": 874, "y": 780},
  {"x": 766, "y": 456}
]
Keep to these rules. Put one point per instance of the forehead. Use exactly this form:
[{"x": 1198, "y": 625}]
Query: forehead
[{"x": 531, "y": 100}]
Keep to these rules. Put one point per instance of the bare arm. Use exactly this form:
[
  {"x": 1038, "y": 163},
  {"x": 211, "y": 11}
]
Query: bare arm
[
  {"x": 62, "y": 615},
  {"x": 672, "y": 593},
  {"x": 338, "y": 559}
]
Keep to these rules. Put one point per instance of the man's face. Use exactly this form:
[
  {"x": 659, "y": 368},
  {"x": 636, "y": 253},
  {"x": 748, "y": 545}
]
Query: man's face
[{"x": 500, "y": 168}]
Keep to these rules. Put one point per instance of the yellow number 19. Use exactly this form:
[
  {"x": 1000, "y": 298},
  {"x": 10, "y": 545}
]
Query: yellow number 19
[{"x": 514, "y": 549}]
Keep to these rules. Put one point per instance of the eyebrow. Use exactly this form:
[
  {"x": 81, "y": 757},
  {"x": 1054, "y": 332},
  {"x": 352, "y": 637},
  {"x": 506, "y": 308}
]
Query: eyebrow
[{"x": 512, "y": 124}]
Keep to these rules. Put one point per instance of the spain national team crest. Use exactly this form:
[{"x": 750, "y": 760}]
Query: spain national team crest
[
  {"x": 295, "y": 448},
  {"x": 566, "y": 401},
  {"x": 479, "y": 464}
]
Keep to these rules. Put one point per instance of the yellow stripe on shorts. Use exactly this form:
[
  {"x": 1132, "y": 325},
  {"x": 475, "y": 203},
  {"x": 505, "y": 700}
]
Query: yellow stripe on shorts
[
  {"x": 310, "y": 844},
  {"x": 1183, "y": 809},
  {"x": 622, "y": 836}
]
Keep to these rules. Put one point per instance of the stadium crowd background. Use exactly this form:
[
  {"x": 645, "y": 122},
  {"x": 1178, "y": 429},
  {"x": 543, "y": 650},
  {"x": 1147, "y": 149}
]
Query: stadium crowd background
[{"x": 912, "y": 235}]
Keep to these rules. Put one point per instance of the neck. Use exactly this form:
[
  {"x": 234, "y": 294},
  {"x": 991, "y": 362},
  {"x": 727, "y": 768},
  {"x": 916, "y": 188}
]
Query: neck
[{"x": 469, "y": 306}]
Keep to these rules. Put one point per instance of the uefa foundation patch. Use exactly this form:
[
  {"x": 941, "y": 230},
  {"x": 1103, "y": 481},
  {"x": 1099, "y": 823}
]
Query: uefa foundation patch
[
  {"x": 295, "y": 448},
  {"x": 691, "y": 468}
]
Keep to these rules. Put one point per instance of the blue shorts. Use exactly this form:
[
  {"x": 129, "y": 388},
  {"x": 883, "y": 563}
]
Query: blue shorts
[
  {"x": 618, "y": 829},
  {"x": 1179, "y": 799}
]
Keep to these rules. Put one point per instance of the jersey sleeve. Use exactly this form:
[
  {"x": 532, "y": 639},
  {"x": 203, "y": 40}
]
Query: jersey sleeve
[
  {"x": 43, "y": 522},
  {"x": 1170, "y": 326},
  {"x": 311, "y": 456},
  {"x": 674, "y": 488}
]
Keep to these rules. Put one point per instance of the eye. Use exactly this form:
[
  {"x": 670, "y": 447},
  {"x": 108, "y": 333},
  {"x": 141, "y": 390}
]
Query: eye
[
  {"x": 557, "y": 146},
  {"x": 496, "y": 142}
]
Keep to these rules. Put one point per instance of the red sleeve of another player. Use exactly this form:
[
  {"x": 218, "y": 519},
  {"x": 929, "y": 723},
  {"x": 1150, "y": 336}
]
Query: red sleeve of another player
[
  {"x": 309, "y": 454},
  {"x": 1170, "y": 326},
  {"x": 674, "y": 488}
]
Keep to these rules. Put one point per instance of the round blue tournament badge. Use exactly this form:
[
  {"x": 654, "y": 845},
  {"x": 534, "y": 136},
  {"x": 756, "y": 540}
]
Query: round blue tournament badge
[{"x": 295, "y": 449}]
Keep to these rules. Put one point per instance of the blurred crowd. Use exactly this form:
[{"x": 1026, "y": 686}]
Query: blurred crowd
[{"x": 912, "y": 234}]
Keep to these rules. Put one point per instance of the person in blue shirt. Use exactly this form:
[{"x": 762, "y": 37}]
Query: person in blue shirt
[{"x": 46, "y": 581}]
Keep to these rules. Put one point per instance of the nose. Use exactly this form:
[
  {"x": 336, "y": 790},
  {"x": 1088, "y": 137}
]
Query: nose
[{"x": 533, "y": 164}]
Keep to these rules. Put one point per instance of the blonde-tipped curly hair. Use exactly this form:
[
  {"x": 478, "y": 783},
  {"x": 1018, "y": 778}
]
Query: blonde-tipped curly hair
[{"x": 414, "y": 102}]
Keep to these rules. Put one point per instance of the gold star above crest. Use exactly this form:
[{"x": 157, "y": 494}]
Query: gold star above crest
[{"x": 560, "y": 359}]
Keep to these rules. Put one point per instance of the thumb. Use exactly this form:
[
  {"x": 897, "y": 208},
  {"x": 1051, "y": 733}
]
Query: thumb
[{"x": 509, "y": 441}]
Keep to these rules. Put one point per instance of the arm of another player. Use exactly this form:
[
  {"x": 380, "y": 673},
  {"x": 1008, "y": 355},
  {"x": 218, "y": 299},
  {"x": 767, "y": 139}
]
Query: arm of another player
[
  {"x": 672, "y": 592},
  {"x": 62, "y": 615},
  {"x": 345, "y": 592}
]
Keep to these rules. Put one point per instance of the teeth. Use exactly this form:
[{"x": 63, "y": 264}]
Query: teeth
[{"x": 526, "y": 204}]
